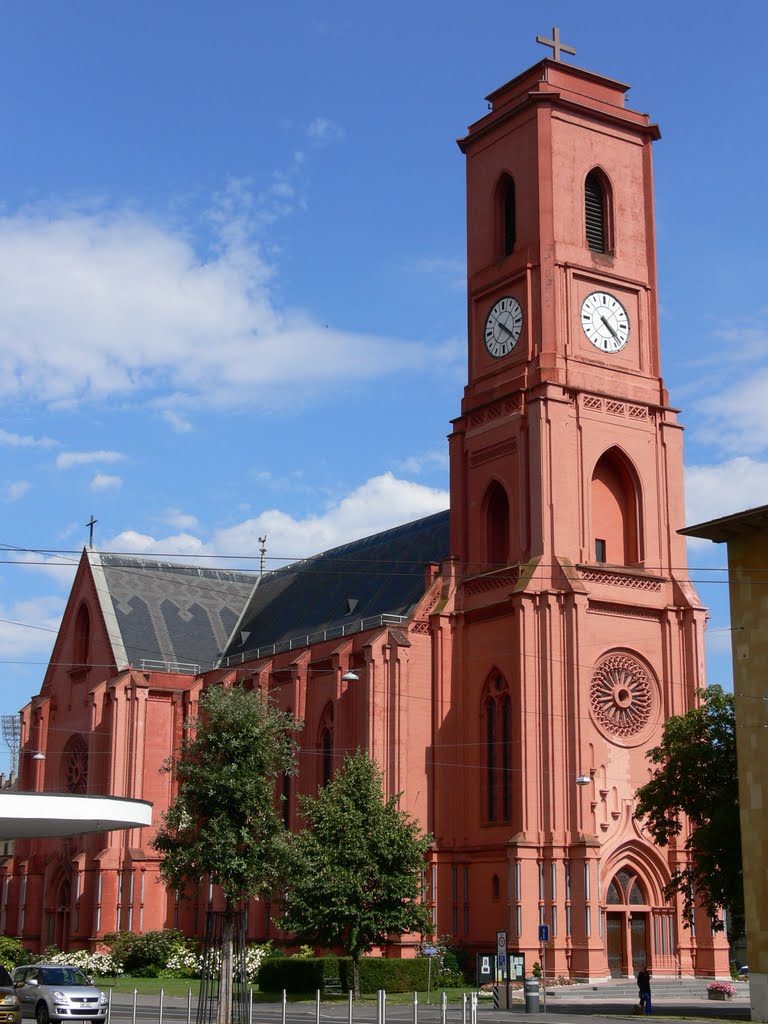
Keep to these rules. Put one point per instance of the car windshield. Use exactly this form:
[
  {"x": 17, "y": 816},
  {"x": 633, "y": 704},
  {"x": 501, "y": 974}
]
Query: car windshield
[{"x": 62, "y": 976}]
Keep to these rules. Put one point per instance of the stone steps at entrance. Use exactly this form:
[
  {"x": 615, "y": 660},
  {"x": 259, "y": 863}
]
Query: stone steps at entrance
[{"x": 626, "y": 988}]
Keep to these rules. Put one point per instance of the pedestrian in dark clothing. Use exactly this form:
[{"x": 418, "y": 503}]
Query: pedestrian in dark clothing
[{"x": 644, "y": 988}]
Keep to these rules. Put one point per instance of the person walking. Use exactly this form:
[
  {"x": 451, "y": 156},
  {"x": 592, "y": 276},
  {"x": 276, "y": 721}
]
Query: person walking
[{"x": 644, "y": 988}]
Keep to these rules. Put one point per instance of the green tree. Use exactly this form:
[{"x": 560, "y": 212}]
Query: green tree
[
  {"x": 696, "y": 776},
  {"x": 225, "y": 822},
  {"x": 359, "y": 865}
]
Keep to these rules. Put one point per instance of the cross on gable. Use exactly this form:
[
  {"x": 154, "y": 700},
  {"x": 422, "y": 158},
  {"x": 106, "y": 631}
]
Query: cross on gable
[{"x": 554, "y": 43}]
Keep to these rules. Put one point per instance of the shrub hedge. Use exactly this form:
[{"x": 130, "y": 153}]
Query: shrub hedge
[{"x": 299, "y": 974}]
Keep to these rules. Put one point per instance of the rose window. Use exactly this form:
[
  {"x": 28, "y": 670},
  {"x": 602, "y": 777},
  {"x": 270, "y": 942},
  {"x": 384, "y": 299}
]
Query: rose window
[
  {"x": 77, "y": 767},
  {"x": 621, "y": 695}
]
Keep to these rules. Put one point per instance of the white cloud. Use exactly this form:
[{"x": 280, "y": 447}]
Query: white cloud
[
  {"x": 322, "y": 129},
  {"x": 16, "y": 489},
  {"x": 722, "y": 489},
  {"x": 66, "y": 460},
  {"x": 106, "y": 482},
  {"x": 25, "y": 440},
  {"x": 27, "y": 628},
  {"x": 424, "y": 461},
  {"x": 178, "y": 422},
  {"x": 187, "y": 328},
  {"x": 180, "y": 520},
  {"x": 379, "y": 504},
  {"x": 736, "y": 418}
]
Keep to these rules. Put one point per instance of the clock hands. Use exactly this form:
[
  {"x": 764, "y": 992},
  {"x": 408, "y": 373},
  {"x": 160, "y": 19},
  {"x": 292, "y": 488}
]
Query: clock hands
[
  {"x": 607, "y": 324},
  {"x": 504, "y": 327}
]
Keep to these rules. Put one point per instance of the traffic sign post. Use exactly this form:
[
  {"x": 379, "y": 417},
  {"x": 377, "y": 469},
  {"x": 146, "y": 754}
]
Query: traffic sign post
[{"x": 543, "y": 940}]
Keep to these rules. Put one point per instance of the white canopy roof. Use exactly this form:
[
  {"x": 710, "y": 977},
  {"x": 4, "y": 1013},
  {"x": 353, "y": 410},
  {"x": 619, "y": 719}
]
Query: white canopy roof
[{"x": 44, "y": 815}]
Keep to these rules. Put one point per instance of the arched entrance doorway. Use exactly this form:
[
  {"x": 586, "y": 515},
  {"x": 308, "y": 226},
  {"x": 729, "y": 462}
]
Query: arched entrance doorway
[
  {"x": 628, "y": 925},
  {"x": 57, "y": 915}
]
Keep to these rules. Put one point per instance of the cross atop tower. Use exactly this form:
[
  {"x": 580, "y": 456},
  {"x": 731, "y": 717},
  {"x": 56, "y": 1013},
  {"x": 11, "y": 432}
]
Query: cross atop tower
[
  {"x": 91, "y": 523},
  {"x": 554, "y": 43}
]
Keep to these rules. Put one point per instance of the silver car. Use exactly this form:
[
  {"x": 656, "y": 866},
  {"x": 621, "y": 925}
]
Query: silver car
[{"x": 55, "y": 991}]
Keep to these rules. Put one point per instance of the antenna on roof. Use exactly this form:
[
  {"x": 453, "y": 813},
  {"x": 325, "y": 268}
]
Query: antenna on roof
[{"x": 262, "y": 552}]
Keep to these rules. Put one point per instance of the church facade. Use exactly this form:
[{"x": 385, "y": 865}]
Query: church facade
[{"x": 507, "y": 663}]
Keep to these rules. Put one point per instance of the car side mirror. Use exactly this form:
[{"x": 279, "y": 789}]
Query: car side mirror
[{"x": 31, "y": 981}]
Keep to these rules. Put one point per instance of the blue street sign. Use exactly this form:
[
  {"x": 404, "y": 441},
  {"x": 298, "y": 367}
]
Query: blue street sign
[
  {"x": 430, "y": 951},
  {"x": 543, "y": 933}
]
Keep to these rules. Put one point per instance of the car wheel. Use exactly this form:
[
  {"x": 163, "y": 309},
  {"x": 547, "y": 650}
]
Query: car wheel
[{"x": 41, "y": 1012}]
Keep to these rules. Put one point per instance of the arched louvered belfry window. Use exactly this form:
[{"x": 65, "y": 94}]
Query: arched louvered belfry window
[
  {"x": 598, "y": 212},
  {"x": 82, "y": 636},
  {"x": 325, "y": 746},
  {"x": 615, "y": 512},
  {"x": 497, "y": 526},
  {"x": 497, "y": 725}
]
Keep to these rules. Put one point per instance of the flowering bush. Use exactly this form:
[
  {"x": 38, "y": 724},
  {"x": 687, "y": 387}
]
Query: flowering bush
[
  {"x": 185, "y": 962},
  {"x": 721, "y": 986},
  {"x": 91, "y": 963}
]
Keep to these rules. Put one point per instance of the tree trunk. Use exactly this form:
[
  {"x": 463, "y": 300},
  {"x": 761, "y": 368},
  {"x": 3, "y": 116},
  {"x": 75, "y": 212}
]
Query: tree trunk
[
  {"x": 224, "y": 1011},
  {"x": 356, "y": 975}
]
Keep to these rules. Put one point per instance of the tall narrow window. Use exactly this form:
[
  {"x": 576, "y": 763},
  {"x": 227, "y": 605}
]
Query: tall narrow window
[
  {"x": 82, "y": 636},
  {"x": 497, "y": 526},
  {"x": 325, "y": 745},
  {"x": 510, "y": 218},
  {"x": 499, "y": 776},
  {"x": 615, "y": 508},
  {"x": 597, "y": 212}
]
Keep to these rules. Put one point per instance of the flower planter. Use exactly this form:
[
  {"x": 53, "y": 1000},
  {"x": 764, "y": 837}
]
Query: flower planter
[{"x": 722, "y": 996}]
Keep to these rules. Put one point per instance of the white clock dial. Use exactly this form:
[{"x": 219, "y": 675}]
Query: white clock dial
[
  {"x": 605, "y": 321},
  {"x": 503, "y": 326}
]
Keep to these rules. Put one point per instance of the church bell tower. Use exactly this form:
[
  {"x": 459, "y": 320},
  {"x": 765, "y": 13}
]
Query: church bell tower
[{"x": 576, "y": 631}]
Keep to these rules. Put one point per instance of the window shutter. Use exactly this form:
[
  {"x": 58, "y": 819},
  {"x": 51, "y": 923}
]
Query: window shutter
[{"x": 594, "y": 208}]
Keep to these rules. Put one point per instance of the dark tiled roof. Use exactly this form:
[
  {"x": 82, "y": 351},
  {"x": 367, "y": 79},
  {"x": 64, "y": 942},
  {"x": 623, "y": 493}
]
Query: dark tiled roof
[
  {"x": 378, "y": 575},
  {"x": 180, "y": 615}
]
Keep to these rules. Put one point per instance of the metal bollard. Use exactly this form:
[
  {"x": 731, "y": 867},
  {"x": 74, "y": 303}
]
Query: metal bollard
[
  {"x": 531, "y": 987},
  {"x": 160, "y": 1011},
  {"x": 282, "y": 1019},
  {"x": 415, "y": 1008},
  {"x": 135, "y": 994},
  {"x": 350, "y": 994},
  {"x": 109, "y": 1007},
  {"x": 317, "y": 1007},
  {"x": 473, "y": 1009},
  {"x": 250, "y": 1006},
  {"x": 189, "y": 1006},
  {"x": 443, "y": 1007},
  {"x": 463, "y": 1008}
]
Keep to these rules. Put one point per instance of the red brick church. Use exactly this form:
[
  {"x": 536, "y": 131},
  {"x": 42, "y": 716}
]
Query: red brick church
[{"x": 508, "y": 663}]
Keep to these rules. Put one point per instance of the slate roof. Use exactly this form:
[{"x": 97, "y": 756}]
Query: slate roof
[
  {"x": 162, "y": 612},
  {"x": 378, "y": 575}
]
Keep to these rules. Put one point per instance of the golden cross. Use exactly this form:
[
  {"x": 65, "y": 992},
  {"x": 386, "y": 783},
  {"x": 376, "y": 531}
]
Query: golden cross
[{"x": 555, "y": 44}]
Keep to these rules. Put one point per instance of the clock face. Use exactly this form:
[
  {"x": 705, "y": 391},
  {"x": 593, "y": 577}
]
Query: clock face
[
  {"x": 503, "y": 326},
  {"x": 605, "y": 321}
]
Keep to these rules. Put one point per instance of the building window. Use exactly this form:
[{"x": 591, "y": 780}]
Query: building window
[
  {"x": 76, "y": 764},
  {"x": 82, "y": 636},
  {"x": 510, "y": 216},
  {"x": 325, "y": 745},
  {"x": 495, "y": 887},
  {"x": 497, "y": 718},
  {"x": 597, "y": 212},
  {"x": 497, "y": 526},
  {"x": 615, "y": 511}
]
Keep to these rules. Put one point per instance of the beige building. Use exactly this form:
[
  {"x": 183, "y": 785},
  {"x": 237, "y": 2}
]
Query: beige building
[{"x": 746, "y": 534}]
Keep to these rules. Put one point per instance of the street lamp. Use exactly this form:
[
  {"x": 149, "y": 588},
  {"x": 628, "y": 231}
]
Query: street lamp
[
  {"x": 583, "y": 780},
  {"x": 350, "y": 677}
]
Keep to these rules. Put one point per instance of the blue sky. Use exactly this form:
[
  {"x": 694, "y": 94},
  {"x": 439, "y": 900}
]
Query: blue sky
[{"x": 232, "y": 270}]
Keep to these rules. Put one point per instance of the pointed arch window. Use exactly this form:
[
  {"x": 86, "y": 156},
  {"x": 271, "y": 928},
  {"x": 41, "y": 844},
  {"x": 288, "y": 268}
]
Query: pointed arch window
[
  {"x": 616, "y": 533},
  {"x": 325, "y": 746},
  {"x": 497, "y": 720},
  {"x": 82, "y": 636},
  {"x": 497, "y": 526},
  {"x": 75, "y": 757},
  {"x": 598, "y": 218}
]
